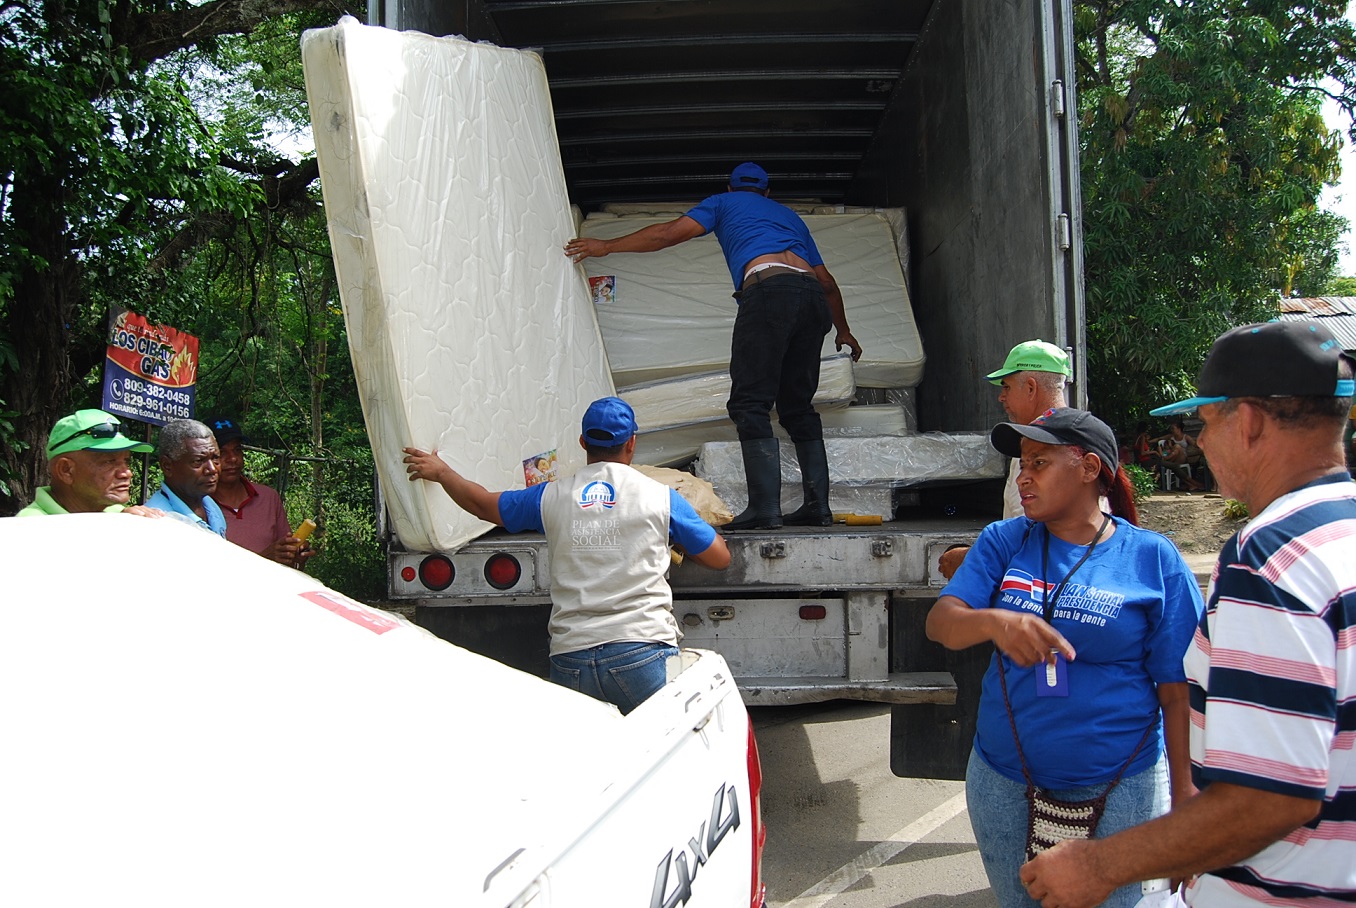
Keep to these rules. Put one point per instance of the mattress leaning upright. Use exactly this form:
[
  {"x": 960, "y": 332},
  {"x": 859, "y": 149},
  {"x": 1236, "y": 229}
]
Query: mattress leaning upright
[{"x": 471, "y": 332}]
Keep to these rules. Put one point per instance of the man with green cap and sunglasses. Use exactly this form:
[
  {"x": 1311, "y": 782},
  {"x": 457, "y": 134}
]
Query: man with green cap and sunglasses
[{"x": 89, "y": 460}]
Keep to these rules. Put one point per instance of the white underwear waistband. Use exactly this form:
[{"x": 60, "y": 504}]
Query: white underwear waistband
[{"x": 763, "y": 267}]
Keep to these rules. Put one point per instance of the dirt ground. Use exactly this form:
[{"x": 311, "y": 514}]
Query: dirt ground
[{"x": 1196, "y": 523}]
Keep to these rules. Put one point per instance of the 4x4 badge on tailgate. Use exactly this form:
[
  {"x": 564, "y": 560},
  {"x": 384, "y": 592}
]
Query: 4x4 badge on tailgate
[{"x": 702, "y": 845}]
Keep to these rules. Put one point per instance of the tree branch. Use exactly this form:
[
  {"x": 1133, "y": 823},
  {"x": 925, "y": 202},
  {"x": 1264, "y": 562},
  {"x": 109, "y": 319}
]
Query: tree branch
[
  {"x": 288, "y": 190},
  {"x": 151, "y": 36}
]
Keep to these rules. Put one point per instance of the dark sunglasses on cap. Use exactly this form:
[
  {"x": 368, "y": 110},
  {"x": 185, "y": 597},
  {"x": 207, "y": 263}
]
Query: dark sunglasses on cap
[{"x": 103, "y": 431}]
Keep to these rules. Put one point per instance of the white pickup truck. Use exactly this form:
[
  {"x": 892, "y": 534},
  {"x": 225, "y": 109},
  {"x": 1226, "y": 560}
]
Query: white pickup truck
[{"x": 189, "y": 724}]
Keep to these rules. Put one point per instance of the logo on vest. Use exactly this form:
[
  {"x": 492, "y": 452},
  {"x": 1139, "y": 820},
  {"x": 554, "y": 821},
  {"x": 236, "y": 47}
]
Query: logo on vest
[{"x": 598, "y": 494}]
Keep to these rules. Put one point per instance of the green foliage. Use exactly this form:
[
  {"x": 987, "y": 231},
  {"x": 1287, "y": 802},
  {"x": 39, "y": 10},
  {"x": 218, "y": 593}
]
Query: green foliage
[
  {"x": 337, "y": 494},
  {"x": 1141, "y": 479},
  {"x": 135, "y": 137},
  {"x": 1235, "y": 509},
  {"x": 351, "y": 558},
  {"x": 1339, "y": 286},
  {"x": 1203, "y": 154}
]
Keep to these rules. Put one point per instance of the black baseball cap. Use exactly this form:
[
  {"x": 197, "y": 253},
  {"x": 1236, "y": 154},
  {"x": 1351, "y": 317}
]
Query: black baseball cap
[
  {"x": 227, "y": 429},
  {"x": 1297, "y": 358},
  {"x": 1065, "y": 426}
]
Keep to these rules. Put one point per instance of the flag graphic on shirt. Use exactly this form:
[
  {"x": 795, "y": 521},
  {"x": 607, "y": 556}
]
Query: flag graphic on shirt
[{"x": 1021, "y": 583}]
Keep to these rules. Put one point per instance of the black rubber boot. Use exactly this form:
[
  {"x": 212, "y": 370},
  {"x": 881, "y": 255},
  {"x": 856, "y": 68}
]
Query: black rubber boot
[
  {"x": 763, "y": 470},
  {"x": 814, "y": 476}
]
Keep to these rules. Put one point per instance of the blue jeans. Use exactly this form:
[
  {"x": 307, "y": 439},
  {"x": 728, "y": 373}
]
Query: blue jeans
[
  {"x": 774, "y": 357},
  {"x": 624, "y": 674},
  {"x": 997, "y": 807}
]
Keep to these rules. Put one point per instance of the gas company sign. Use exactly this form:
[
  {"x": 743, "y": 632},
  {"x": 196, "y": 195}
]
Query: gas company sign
[{"x": 151, "y": 371}]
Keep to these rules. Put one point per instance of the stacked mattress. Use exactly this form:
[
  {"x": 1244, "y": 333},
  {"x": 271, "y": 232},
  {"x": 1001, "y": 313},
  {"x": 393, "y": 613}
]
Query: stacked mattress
[
  {"x": 471, "y": 332},
  {"x": 670, "y": 313},
  {"x": 864, "y": 471},
  {"x": 667, "y": 317}
]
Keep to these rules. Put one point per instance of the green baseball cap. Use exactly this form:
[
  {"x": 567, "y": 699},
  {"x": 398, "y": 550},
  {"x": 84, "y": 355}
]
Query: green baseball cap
[
  {"x": 91, "y": 430},
  {"x": 1033, "y": 356}
]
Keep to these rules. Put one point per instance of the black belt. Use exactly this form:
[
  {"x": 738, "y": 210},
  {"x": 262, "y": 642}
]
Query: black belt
[{"x": 763, "y": 274}]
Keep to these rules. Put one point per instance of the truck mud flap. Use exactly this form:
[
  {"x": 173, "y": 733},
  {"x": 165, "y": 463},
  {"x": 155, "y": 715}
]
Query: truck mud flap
[
  {"x": 512, "y": 634},
  {"x": 929, "y": 740}
]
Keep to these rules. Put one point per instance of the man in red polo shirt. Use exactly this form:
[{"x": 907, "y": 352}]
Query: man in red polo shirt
[{"x": 255, "y": 518}]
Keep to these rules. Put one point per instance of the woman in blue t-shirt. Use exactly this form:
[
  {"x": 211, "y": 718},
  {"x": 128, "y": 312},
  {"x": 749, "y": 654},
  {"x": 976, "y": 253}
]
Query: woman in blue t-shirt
[{"x": 1091, "y": 616}]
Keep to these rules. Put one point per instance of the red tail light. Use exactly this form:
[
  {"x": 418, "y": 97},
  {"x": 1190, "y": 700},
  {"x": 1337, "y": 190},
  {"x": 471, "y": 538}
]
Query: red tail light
[
  {"x": 502, "y": 571},
  {"x": 436, "y": 572},
  {"x": 408, "y": 574},
  {"x": 813, "y": 612},
  {"x": 757, "y": 892}
]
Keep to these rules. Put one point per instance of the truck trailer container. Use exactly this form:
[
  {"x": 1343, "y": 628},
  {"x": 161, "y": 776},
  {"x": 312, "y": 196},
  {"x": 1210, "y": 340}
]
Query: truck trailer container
[{"x": 958, "y": 115}]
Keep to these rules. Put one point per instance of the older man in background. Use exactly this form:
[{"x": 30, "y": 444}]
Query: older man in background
[
  {"x": 1031, "y": 383},
  {"x": 191, "y": 463},
  {"x": 89, "y": 461},
  {"x": 255, "y": 518}
]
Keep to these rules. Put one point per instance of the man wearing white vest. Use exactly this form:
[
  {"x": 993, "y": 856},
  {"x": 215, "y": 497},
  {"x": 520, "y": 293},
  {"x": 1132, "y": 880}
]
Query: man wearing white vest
[{"x": 608, "y": 529}]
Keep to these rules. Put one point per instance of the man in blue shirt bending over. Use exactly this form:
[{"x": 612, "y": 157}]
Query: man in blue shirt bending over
[{"x": 787, "y": 302}]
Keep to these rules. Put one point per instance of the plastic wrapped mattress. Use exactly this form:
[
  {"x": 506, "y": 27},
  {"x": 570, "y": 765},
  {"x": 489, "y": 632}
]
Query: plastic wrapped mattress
[
  {"x": 471, "y": 332},
  {"x": 690, "y": 399},
  {"x": 860, "y": 466},
  {"x": 670, "y": 313},
  {"x": 679, "y": 444}
]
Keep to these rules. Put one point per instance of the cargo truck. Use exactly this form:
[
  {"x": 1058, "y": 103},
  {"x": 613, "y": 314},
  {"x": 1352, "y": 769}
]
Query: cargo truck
[{"x": 960, "y": 113}]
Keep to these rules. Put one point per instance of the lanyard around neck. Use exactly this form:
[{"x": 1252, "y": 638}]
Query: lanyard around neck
[{"x": 1048, "y": 610}]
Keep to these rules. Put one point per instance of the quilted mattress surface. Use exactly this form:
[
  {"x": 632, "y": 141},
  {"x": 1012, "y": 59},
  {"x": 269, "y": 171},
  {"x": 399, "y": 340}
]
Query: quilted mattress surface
[
  {"x": 471, "y": 332},
  {"x": 689, "y": 399},
  {"x": 670, "y": 312}
]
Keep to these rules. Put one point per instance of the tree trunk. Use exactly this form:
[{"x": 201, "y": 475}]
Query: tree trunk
[{"x": 47, "y": 293}]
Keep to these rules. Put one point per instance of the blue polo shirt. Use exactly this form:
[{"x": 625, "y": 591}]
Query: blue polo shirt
[
  {"x": 748, "y": 225},
  {"x": 166, "y": 500},
  {"x": 1130, "y": 613}
]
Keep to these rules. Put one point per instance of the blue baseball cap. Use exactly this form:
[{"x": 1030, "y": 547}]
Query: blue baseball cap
[
  {"x": 608, "y": 422},
  {"x": 1273, "y": 359},
  {"x": 748, "y": 176}
]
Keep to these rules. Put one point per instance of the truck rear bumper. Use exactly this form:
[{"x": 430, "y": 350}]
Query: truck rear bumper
[{"x": 898, "y": 688}]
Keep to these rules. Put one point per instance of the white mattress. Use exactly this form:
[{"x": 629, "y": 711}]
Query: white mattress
[
  {"x": 672, "y": 312},
  {"x": 470, "y": 330},
  {"x": 679, "y": 444},
  {"x": 687, "y": 399},
  {"x": 878, "y": 461}
]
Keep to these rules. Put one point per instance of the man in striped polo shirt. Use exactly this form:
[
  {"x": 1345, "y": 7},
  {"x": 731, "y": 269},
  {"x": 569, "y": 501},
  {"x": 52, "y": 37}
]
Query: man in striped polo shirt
[{"x": 1272, "y": 669}]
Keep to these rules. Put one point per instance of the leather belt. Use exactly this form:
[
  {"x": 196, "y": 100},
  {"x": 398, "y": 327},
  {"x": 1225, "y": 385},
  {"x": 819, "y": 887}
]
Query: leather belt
[{"x": 762, "y": 274}]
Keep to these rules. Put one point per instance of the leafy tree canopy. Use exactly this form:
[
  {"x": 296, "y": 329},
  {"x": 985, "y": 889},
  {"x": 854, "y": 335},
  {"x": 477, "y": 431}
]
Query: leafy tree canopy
[
  {"x": 1203, "y": 155},
  {"x": 132, "y": 136}
]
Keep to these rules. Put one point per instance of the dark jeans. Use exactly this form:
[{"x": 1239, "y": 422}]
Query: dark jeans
[{"x": 774, "y": 357}]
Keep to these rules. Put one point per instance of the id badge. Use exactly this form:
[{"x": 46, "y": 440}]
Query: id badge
[{"x": 1052, "y": 678}]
